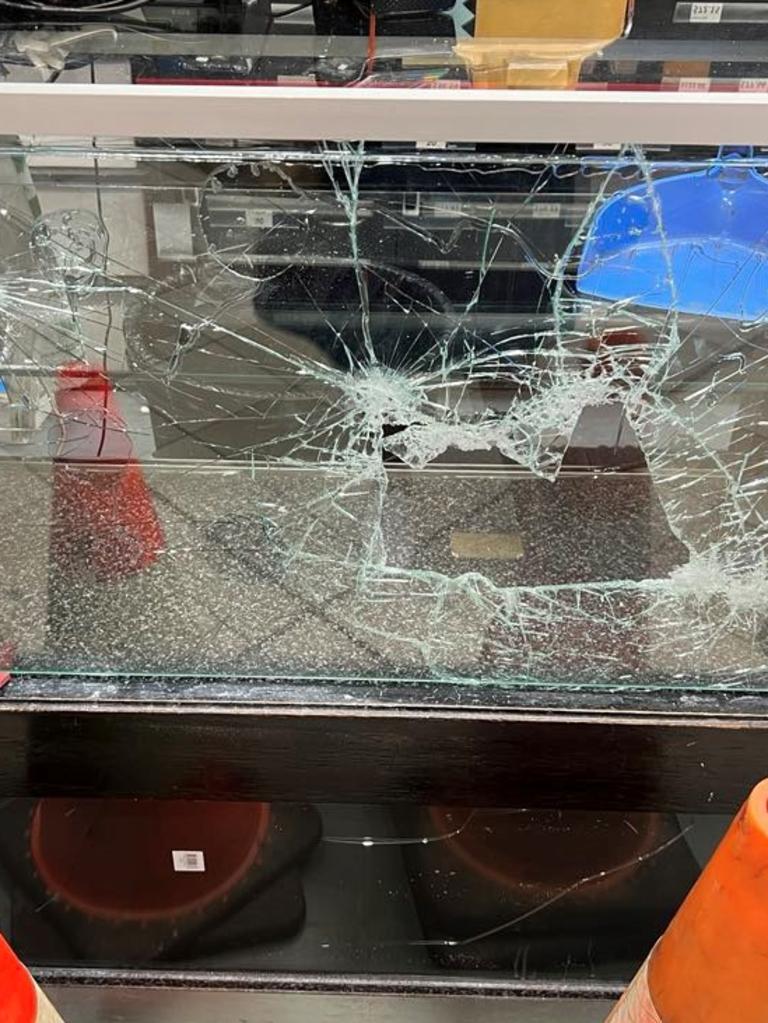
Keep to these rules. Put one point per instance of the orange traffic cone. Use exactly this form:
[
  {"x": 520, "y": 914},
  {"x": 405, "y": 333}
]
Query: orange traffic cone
[
  {"x": 105, "y": 516},
  {"x": 21, "y": 1000},
  {"x": 710, "y": 965}
]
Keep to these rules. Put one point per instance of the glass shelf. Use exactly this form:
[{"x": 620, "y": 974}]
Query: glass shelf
[{"x": 368, "y": 44}]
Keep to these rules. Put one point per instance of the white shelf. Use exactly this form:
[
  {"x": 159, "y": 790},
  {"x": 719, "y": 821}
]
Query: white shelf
[{"x": 306, "y": 114}]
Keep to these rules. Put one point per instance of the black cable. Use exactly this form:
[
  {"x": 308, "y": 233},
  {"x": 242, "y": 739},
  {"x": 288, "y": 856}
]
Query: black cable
[
  {"x": 138, "y": 26},
  {"x": 293, "y": 10},
  {"x": 147, "y": 27},
  {"x": 21, "y": 62},
  {"x": 32, "y": 7},
  {"x": 194, "y": 4}
]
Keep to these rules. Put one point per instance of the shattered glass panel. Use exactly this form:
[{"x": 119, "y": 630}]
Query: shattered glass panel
[{"x": 383, "y": 412}]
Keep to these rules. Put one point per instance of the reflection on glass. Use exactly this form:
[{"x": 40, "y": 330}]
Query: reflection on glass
[{"x": 531, "y": 895}]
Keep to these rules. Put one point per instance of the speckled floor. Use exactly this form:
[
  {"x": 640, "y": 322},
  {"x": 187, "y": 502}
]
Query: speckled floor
[{"x": 273, "y": 572}]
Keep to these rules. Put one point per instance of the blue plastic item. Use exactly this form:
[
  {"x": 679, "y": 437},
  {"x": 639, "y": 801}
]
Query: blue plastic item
[{"x": 693, "y": 243}]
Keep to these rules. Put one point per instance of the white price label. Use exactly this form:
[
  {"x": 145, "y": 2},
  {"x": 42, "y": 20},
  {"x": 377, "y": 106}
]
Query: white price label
[
  {"x": 753, "y": 85},
  {"x": 447, "y": 208},
  {"x": 431, "y": 145},
  {"x": 545, "y": 211},
  {"x": 259, "y": 218},
  {"x": 706, "y": 14},
  {"x": 693, "y": 85},
  {"x": 188, "y": 861}
]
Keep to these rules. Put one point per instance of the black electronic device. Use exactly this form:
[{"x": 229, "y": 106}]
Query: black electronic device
[
  {"x": 393, "y": 17},
  {"x": 683, "y": 19}
]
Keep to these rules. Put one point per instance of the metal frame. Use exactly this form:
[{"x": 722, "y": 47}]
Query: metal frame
[
  {"x": 111, "y": 1001},
  {"x": 469, "y": 985},
  {"x": 436, "y": 115}
]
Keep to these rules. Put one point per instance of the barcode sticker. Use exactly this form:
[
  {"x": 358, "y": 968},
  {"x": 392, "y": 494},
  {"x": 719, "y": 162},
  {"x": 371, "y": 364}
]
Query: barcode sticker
[
  {"x": 706, "y": 14},
  {"x": 188, "y": 861}
]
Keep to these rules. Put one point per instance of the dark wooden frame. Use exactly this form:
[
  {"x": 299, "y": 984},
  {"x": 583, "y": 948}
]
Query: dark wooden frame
[
  {"x": 367, "y": 742},
  {"x": 363, "y": 742}
]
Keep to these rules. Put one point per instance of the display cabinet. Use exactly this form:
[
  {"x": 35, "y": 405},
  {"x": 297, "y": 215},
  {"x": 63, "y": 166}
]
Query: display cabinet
[{"x": 382, "y": 475}]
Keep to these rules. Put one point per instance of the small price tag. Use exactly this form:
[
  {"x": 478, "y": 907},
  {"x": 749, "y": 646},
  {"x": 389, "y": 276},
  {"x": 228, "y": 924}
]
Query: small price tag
[
  {"x": 753, "y": 85},
  {"x": 693, "y": 85},
  {"x": 545, "y": 211},
  {"x": 259, "y": 218},
  {"x": 447, "y": 208},
  {"x": 431, "y": 145},
  {"x": 706, "y": 14},
  {"x": 188, "y": 861}
]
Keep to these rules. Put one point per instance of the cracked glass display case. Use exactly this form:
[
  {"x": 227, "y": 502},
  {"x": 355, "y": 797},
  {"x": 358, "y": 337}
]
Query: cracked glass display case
[
  {"x": 491, "y": 414},
  {"x": 384, "y": 602}
]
